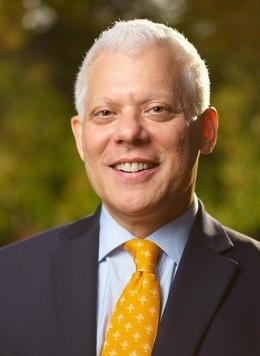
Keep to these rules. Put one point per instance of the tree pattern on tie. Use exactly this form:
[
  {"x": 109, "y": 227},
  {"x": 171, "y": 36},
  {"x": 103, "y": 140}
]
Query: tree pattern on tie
[{"x": 134, "y": 322}]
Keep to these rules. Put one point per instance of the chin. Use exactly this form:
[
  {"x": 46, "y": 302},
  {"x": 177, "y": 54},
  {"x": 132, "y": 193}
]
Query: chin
[{"x": 130, "y": 207}]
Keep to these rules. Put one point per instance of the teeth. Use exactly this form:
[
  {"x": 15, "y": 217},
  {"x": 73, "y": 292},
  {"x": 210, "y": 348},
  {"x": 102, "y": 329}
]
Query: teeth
[{"x": 132, "y": 166}]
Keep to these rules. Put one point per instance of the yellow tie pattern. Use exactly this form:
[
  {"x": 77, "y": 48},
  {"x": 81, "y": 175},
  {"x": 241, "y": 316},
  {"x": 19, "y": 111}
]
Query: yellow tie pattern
[{"x": 134, "y": 322}]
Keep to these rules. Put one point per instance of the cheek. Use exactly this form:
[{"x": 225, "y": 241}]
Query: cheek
[
  {"x": 186, "y": 143},
  {"x": 174, "y": 143},
  {"x": 181, "y": 145},
  {"x": 180, "y": 152},
  {"x": 94, "y": 142}
]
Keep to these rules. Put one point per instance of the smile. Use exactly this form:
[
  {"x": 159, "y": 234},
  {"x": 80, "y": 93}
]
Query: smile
[{"x": 133, "y": 167}]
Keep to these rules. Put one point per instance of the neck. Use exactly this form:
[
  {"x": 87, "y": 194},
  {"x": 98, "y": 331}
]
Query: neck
[{"x": 141, "y": 224}]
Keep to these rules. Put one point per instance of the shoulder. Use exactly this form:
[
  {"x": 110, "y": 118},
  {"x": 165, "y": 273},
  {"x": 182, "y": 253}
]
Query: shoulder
[
  {"x": 241, "y": 239},
  {"x": 226, "y": 241},
  {"x": 245, "y": 249},
  {"x": 48, "y": 240}
]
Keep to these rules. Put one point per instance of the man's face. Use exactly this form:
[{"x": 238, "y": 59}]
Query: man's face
[{"x": 140, "y": 153}]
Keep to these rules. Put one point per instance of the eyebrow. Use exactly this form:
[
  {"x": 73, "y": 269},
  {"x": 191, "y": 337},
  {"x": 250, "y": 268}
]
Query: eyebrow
[{"x": 161, "y": 95}]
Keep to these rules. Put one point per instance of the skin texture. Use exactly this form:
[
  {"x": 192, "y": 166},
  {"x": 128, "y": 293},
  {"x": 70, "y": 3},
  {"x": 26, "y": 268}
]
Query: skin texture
[{"x": 132, "y": 116}]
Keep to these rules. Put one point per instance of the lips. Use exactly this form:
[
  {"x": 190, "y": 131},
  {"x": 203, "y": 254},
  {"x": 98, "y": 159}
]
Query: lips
[{"x": 132, "y": 167}]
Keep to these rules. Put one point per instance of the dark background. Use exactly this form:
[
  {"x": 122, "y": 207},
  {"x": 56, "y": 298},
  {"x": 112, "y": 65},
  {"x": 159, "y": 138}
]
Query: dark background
[{"x": 42, "y": 43}]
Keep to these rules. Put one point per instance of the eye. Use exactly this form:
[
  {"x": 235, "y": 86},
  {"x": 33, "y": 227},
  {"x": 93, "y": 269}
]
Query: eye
[
  {"x": 158, "y": 109},
  {"x": 103, "y": 113}
]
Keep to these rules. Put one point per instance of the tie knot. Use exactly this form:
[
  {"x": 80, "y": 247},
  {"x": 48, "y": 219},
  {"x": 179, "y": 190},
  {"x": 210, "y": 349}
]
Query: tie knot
[{"x": 145, "y": 254}]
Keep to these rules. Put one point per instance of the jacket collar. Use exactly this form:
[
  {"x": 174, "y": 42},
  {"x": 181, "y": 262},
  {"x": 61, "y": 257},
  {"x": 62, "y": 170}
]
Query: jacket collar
[
  {"x": 199, "y": 286},
  {"x": 201, "y": 281},
  {"x": 74, "y": 288}
]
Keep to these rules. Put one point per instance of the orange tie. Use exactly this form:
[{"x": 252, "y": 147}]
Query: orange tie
[{"x": 134, "y": 322}]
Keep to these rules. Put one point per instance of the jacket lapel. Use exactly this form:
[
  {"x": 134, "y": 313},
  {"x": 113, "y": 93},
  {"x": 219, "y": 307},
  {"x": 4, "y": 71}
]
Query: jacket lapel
[
  {"x": 199, "y": 285},
  {"x": 74, "y": 288}
]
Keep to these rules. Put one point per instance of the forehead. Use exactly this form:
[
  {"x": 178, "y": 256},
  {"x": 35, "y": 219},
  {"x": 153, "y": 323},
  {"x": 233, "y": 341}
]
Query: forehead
[{"x": 114, "y": 72}]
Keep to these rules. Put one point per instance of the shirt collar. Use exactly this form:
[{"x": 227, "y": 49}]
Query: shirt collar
[{"x": 171, "y": 238}]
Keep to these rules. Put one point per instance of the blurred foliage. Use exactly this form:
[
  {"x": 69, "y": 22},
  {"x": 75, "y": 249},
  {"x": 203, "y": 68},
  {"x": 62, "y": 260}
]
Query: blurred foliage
[{"x": 42, "y": 44}]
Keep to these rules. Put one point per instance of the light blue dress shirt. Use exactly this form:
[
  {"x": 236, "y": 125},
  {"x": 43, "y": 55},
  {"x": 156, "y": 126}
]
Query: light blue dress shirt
[{"x": 116, "y": 265}]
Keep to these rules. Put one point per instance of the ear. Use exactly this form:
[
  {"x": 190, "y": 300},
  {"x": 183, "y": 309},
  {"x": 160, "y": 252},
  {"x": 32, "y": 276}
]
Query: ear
[
  {"x": 209, "y": 126},
  {"x": 77, "y": 129}
]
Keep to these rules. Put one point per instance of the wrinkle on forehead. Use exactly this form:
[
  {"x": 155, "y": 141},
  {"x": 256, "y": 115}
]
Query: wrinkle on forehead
[
  {"x": 133, "y": 97},
  {"x": 118, "y": 77}
]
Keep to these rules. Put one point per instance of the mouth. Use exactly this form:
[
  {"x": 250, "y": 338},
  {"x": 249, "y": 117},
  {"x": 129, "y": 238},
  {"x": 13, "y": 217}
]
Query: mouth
[{"x": 133, "y": 167}]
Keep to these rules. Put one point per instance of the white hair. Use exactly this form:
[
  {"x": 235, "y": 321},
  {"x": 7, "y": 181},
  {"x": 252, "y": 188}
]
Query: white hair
[{"x": 135, "y": 36}]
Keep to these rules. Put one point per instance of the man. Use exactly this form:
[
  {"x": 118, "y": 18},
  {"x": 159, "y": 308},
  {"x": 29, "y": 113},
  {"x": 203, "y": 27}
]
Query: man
[{"x": 142, "y": 96}]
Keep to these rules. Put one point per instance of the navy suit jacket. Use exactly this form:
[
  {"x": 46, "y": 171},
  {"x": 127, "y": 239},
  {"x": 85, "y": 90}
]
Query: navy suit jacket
[{"x": 48, "y": 294}]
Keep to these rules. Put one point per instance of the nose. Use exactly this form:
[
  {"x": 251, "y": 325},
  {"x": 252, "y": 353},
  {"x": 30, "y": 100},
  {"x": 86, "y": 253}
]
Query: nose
[{"x": 131, "y": 128}]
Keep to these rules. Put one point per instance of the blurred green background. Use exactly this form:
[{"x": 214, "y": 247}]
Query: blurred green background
[{"x": 42, "y": 43}]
